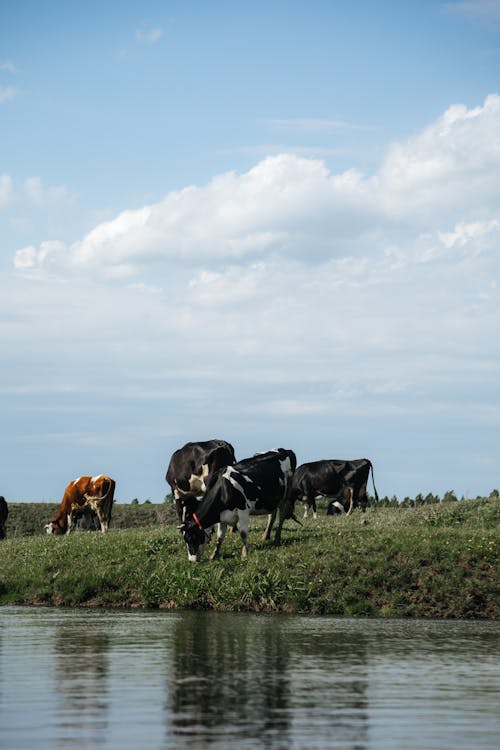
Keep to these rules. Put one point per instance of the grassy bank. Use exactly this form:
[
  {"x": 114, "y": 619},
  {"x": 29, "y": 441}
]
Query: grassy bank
[
  {"x": 434, "y": 561},
  {"x": 29, "y": 519}
]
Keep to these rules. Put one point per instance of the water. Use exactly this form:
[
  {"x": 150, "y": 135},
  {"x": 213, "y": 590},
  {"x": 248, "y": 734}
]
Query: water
[{"x": 73, "y": 679}]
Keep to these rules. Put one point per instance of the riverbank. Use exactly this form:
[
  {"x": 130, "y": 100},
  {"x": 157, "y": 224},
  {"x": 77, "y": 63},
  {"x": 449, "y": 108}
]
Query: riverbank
[{"x": 434, "y": 561}]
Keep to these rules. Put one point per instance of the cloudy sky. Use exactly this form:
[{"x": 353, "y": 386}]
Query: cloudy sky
[{"x": 272, "y": 222}]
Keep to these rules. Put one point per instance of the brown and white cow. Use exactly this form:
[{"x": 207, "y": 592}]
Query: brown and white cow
[{"x": 80, "y": 496}]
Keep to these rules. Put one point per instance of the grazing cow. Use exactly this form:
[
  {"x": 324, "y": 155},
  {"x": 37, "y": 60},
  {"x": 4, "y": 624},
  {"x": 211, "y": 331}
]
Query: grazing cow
[
  {"x": 255, "y": 485},
  {"x": 344, "y": 482},
  {"x": 82, "y": 496},
  {"x": 319, "y": 478},
  {"x": 189, "y": 469},
  {"x": 355, "y": 474},
  {"x": 4, "y": 512}
]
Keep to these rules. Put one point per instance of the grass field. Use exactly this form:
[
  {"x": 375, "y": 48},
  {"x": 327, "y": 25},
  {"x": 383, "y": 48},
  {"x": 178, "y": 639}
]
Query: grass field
[
  {"x": 431, "y": 561},
  {"x": 28, "y": 519}
]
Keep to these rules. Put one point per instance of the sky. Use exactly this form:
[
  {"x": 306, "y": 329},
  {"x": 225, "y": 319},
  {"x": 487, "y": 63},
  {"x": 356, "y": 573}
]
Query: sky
[{"x": 276, "y": 223}]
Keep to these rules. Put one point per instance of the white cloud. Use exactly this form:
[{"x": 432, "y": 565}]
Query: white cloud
[
  {"x": 8, "y": 66},
  {"x": 7, "y": 93},
  {"x": 40, "y": 195},
  {"x": 290, "y": 207},
  {"x": 33, "y": 193},
  {"x": 45, "y": 256},
  {"x": 149, "y": 36},
  {"x": 274, "y": 208},
  {"x": 464, "y": 233},
  {"x": 285, "y": 291},
  {"x": 487, "y": 11},
  {"x": 449, "y": 168},
  {"x": 5, "y": 189}
]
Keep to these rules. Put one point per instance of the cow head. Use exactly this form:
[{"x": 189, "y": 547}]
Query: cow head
[
  {"x": 195, "y": 537},
  {"x": 54, "y": 528},
  {"x": 344, "y": 502}
]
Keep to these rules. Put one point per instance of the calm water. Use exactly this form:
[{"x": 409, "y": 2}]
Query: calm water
[{"x": 156, "y": 680}]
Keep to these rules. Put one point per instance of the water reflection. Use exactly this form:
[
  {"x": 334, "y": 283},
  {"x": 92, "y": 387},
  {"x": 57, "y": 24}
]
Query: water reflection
[
  {"x": 331, "y": 686},
  {"x": 228, "y": 677},
  {"x": 127, "y": 680},
  {"x": 265, "y": 682},
  {"x": 81, "y": 664}
]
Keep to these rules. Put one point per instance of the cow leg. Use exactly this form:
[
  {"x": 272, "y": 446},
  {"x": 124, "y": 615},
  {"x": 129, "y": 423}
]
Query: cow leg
[
  {"x": 277, "y": 536},
  {"x": 70, "y": 523},
  {"x": 309, "y": 498},
  {"x": 310, "y": 502},
  {"x": 243, "y": 523},
  {"x": 350, "y": 499},
  {"x": 221, "y": 533},
  {"x": 244, "y": 538},
  {"x": 270, "y": 522},
  {"x": 102, "y": 519},
  {"x": 314, "y": 507},
  {"x": 362, "y": 499},
  {"x": 98, "y": 510}
]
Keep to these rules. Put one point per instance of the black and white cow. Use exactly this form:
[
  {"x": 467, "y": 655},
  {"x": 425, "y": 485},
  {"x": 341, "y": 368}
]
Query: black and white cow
[
  {"x": 256, "y": 486},
  {"x": 4, "y": 512},
  {"x": 355, "y": 473},
  {"x": 189, "y": 469},
  {"x": 318, "y": 478}
]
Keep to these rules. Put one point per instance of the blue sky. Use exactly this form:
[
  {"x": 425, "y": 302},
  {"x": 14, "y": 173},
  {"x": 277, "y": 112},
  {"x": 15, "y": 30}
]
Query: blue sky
[{"x": 276, "y": 223}]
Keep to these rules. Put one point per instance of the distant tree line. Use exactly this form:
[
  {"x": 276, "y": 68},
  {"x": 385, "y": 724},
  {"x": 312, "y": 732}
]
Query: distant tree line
[
  {"x": 388, "y": 502},
  {"x": 420, "y": 499}
]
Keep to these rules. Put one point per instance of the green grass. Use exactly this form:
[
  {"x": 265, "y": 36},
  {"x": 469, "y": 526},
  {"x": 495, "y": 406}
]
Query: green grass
[
  {"x": 29, "y": 519},
  {"x": 432, "y": 561}
]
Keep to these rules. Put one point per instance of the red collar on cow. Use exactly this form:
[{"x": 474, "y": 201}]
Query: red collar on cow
[{"x": 197, "y": 521}]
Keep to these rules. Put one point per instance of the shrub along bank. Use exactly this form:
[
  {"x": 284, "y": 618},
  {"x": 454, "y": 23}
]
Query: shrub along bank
[{"x": 430, "y": 561}]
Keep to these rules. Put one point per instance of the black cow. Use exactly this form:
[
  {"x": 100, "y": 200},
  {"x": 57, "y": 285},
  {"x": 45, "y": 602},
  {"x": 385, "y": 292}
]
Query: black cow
[
  {"x": 344, "y": 482},
  {"x": 256, "y": 485},
  {"x": 189, "y": 469},
  {"x": 355, "y": 473},
  {"x": 4, "y": 512},
  {"x": 318, "y": 478}
]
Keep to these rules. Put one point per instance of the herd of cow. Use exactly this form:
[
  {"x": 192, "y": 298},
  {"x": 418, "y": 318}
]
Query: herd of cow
[{"x": 211, "y": 489}]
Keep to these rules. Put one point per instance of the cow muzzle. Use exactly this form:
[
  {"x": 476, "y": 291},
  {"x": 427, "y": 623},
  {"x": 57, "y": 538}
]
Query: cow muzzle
[{"x": 196, "y": 540}]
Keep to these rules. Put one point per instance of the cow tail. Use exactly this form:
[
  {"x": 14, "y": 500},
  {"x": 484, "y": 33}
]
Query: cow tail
[
  {"x": 373, "y": 482},
  {"x": 351, "y": 500},
  {"x": 109, "y": 484}
]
